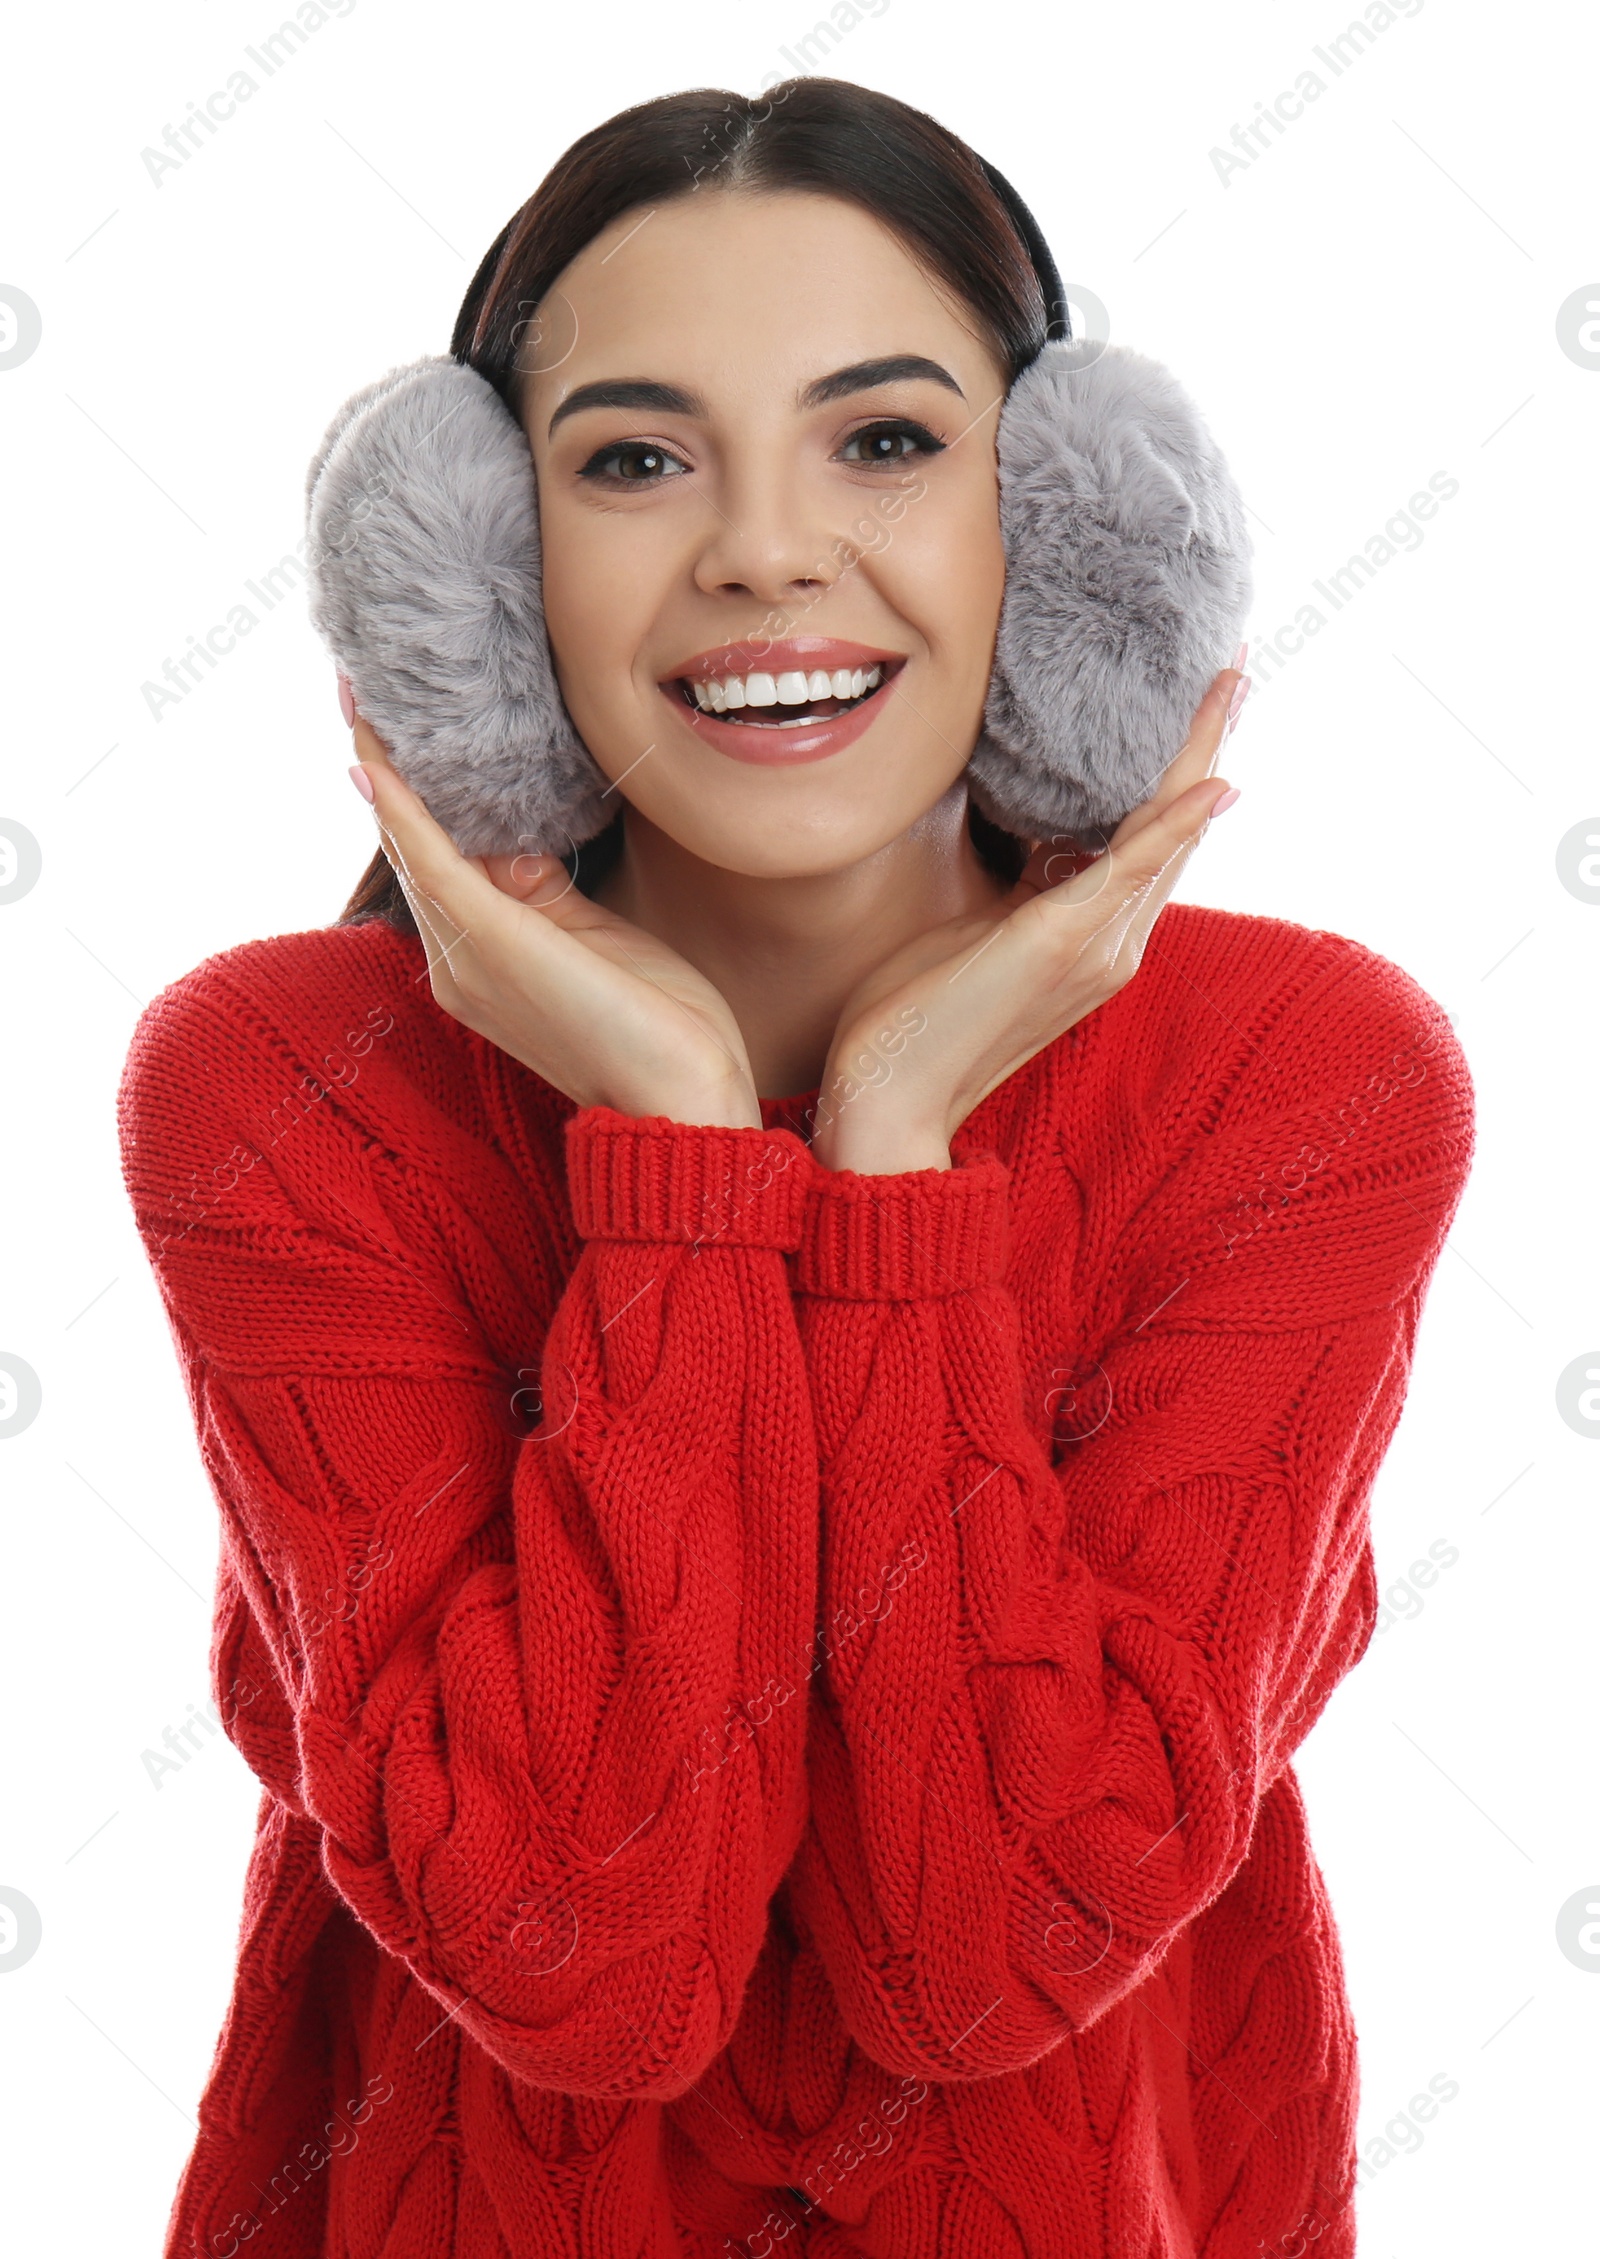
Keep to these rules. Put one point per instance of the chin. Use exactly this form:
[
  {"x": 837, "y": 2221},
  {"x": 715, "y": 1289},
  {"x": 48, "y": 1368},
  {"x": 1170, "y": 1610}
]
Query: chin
[
  {"x": 782, "y": 842},
  {"x": 774, "y": 822}
]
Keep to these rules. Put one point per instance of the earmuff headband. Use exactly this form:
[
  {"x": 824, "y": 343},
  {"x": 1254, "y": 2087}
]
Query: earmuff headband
[{"x": 1058, "y": 320}]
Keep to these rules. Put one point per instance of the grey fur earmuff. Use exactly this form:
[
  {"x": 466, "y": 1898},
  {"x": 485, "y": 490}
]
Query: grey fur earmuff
[
  {"x": 422, "y": 524},
  {"x": 1127, "y": 585}
]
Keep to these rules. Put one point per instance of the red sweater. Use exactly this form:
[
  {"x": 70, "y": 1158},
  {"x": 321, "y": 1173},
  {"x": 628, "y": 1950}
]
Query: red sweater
[{"x": 774, "y": 1689}]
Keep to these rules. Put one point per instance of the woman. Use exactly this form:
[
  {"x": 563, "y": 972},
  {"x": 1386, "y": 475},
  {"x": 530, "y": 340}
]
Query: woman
[{"x": 794, "y": 1403}]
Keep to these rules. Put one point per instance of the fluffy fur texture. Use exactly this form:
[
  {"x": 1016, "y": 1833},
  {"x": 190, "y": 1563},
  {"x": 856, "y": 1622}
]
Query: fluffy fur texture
[
  {"x": 423, "y": 521},
  {"x": 1127, "y": 583}
]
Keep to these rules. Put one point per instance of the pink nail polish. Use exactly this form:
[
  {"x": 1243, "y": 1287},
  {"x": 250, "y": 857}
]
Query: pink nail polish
[
  {"x": 363, "y": 783},
  {"x": 1241, "y": 655},
  {"x": 347, "y": 704},
  {"x": 1238, "y": 699},
  {"x": 1227, "y": 800}
]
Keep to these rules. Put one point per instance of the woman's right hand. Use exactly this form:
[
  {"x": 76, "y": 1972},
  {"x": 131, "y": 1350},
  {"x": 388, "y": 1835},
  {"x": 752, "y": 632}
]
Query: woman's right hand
[{"x": 599, "y": 1008}]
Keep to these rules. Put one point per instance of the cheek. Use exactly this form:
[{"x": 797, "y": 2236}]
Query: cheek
[
  {"x": 944, "y": 569},
  {"x": 599, "y": 597}
]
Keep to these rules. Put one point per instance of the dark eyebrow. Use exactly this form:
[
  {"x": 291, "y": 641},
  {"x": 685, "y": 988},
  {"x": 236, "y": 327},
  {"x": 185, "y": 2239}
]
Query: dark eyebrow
[
  {"x": 672, "y": 400},
  {"x": 630, "y": 392},
  {"x": 861, "y": 376}
]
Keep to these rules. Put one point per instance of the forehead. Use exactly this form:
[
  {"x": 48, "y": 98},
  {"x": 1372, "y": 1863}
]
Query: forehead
[{"x": 745, "y": 296}]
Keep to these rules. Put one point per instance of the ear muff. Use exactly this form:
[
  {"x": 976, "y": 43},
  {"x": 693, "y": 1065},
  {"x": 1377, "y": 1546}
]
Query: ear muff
[
  {"x": 422, "y": 523},
  {"x": 1127, "y": 583},
  {"x": 1127, "y": 586}
]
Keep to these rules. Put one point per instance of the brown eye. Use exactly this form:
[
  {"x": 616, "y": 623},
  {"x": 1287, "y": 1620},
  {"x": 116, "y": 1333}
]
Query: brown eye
[
  {"x": 891, "y": 442},
  {"x": 638, "y": 463}
]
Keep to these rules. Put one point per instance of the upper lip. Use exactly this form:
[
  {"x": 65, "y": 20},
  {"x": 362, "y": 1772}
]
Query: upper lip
[{"x": 756, "y": 654}]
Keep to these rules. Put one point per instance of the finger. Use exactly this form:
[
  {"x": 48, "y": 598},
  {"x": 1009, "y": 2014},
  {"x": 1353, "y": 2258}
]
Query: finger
[
  {"x": 1137, "y": 872},
  {"x": 1169, "y": 834},
  {"x": 541, "y": 881},
  {"x": 440, "y": 938},
  {"x": 1150, "y": 904},
  {"x": 1056, "y": 859},
  {"x": 425, "y": 858},
  {"x": 400, "y": 810},
  {"x": 403, "y": 819},
  {"x": 440, "y": 934},
  {"x": 1065, "y": 854},
  {"x": 1194, "y": 760},
  {"x": 1195, "y": 764}
]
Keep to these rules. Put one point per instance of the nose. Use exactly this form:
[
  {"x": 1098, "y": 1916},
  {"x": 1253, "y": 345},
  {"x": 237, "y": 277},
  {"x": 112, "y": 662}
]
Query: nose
[{"x": 771, "y": 536}]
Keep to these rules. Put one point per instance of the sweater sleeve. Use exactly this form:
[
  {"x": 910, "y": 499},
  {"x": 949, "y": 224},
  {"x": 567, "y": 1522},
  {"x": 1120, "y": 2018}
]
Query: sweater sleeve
[
  {"x": 521, "y": 1644},
  {"x": 1081, "y": 1601}
]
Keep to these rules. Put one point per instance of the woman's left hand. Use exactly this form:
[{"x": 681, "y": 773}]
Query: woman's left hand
[{"x": 944, "y": 1020}]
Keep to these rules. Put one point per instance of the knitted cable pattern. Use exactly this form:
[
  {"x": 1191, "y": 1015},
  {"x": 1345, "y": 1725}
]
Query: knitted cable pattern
[{"x": 774, "y": 1691}]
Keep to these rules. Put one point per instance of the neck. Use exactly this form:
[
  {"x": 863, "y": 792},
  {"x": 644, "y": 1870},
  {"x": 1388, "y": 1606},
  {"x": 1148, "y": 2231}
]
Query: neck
[{"x": 787, "y": 952}]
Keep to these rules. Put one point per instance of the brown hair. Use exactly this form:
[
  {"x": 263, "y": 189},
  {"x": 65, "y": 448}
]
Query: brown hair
[{"x": 819, "y": 134}]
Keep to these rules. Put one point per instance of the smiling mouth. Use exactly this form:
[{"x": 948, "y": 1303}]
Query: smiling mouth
[{"x": 789, "y": 699}]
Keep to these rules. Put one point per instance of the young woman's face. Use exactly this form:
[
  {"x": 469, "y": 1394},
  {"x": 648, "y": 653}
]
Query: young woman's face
[{"x": 764, "y": 442}]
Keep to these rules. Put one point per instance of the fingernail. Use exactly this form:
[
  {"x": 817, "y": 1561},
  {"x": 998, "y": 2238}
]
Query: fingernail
[
  {"x": 347, "y": 704},
  {"x": 1227, "y": 800},
  {"x": 363, "y": 783},
  {"x": 1238, "y": 699},
  {"x": 1241, "y": 655}
]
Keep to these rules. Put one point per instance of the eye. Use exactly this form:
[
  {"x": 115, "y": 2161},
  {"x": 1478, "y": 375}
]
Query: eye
[
  {"x": 647, "y": 464},
  {"x": 880, "y": 442}
]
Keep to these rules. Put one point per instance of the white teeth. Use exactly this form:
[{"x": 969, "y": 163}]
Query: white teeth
[{"x": 794, "y": 687}]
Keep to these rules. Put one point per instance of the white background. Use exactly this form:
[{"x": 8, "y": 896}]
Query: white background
[{"x": 1372, "y": 300}]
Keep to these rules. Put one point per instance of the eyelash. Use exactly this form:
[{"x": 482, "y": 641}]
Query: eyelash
[{"x": 896, "y": 426}]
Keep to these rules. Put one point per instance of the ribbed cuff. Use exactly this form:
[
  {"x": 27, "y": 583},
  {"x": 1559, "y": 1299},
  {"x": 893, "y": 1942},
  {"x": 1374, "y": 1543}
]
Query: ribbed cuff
[
  {"x": 900, "y": 1238},
  {"x": 647, "y": 1177}
]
